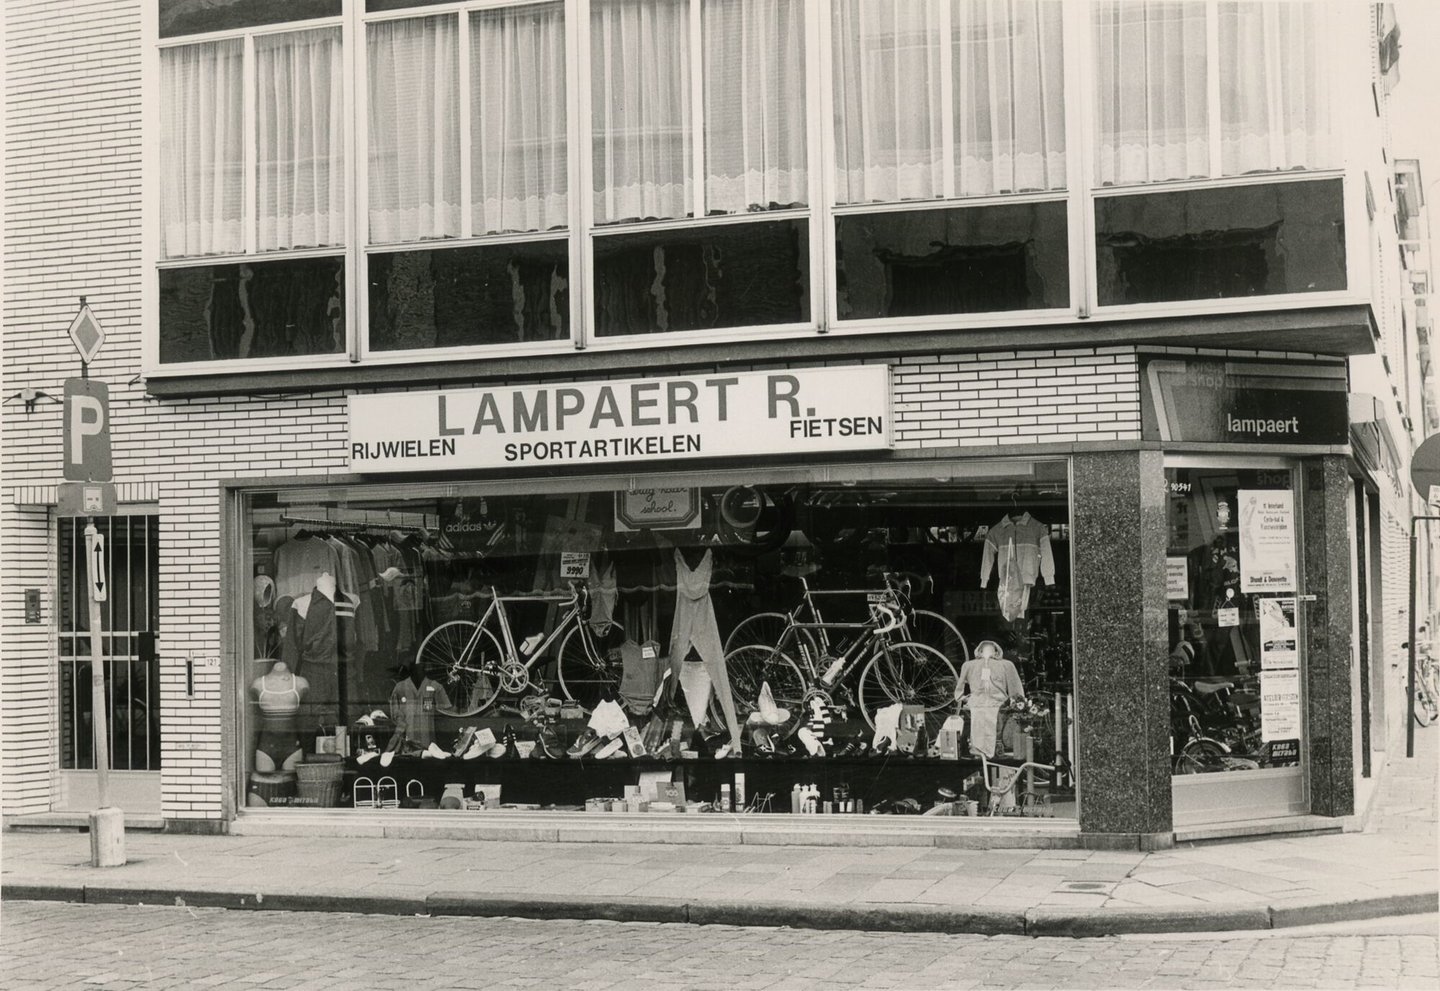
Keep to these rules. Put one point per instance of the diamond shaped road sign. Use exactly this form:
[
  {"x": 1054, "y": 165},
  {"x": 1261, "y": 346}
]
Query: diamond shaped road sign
[{"x": 86, "y": 333}]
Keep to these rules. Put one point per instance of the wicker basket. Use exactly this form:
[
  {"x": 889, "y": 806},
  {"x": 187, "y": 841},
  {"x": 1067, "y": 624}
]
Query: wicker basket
[{"x": 320, "y": 783}]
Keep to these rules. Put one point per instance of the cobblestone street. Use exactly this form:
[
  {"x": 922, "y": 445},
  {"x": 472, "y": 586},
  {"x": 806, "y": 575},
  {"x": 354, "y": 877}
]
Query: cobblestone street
[{"x": 55, "y": 945}]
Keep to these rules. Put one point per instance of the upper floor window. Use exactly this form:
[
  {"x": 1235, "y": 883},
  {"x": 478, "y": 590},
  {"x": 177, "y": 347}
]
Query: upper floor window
[
  {"x": 936, "y": 99},
  {"x": 1157, "y": 73}
]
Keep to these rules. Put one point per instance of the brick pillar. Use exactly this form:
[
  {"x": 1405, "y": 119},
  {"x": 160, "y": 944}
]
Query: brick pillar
[{"x": 1121, "y": 665}]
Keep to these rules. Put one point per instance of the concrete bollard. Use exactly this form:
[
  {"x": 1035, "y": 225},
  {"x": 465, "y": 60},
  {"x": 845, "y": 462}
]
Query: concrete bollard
[{"x": 107, "y": 838}]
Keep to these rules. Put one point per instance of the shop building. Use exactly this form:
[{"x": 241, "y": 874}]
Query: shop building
[{"x": 941, "y": 413}]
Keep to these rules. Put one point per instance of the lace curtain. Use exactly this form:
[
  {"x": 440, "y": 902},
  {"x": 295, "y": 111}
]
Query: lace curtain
[
  {"x": 1152, "y": 70},
  {"x": 1002, "y": 62},
  {"x": 517, "y": 135},
  {"x": 202, "y": 204},
  {"x": 755, "y": 141},
  {"x": 640, "y": 103},
  {"x": 414, "y": 126},
  {"x": 1274, "y": 96},
  {"x": 300, "y": 146}
]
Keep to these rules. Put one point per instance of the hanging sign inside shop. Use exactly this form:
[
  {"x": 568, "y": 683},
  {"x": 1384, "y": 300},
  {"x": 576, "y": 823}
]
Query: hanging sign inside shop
[
  {"x": 1177, "y": 578},
  {"x": 1243, "y": 402},
  {"x": 735, "y": 414},
  {"x": 1267, "y": 540},
  {"x": 657, "y": 509},
  {"x": 1280, "y": 705},
  {"x": 1279, "y": 641}
]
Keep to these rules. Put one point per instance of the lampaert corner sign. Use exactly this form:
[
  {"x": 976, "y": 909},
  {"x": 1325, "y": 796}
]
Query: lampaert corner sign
[{"x": 725, "y": 414}]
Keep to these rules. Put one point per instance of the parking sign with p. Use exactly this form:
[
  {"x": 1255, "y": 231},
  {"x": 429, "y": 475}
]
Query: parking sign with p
[{"x": 87, "y": 431}]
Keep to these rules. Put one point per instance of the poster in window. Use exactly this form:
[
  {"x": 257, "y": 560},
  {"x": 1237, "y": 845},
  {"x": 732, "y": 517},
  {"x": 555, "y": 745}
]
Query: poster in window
[
  {"x": 1280, "y": 705},
  {"x": 1279, "y": 639},
  {"x": 1177, "y": 579},
  {"x": 1267, "y": 540}
]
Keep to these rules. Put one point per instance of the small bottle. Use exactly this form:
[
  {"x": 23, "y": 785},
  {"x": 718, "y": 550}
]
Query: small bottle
[
  {"x": 725, "y": 805},
  {"x": 795, "y": 800},
  {"x": 530, "y": 643},
  {"x": 739, "y": 792},
  {"x": 832, "y": 672}
]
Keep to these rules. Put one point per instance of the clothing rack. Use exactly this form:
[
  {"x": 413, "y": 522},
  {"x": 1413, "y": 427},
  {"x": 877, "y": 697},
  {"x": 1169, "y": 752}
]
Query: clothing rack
[{"x": 329, "y": 524}]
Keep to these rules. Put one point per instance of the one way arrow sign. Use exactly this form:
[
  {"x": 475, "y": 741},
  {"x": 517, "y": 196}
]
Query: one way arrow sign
[{"x": 95, "y": 563}]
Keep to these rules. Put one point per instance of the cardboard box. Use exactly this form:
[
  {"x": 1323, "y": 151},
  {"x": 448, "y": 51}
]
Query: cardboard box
[{"x": 952, "y": 738}]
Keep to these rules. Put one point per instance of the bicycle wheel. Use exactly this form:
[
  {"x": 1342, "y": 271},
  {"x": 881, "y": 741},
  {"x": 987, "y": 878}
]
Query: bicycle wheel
[
  {"x": 910, "y": 673},
  {"x": 468, "y": 674},
  {"x": 585, "y": 674},
  {"x": 765, "y": 629},
  {"x": 1424, "y": 707},
  {"x": 750, "y": 667},
  {"x": 1199, "y": 757},
  {"x": 934, "y": 630}
]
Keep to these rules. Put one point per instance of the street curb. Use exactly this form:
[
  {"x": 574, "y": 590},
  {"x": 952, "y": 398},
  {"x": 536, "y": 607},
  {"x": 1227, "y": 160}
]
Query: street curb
[
  {"x": 1306, "y": 912},
  {"x": 1161, "y": 919},
  {"x": 874, "y": 917},
  {"x": 613, "y": 909},
  {"x": 31, "y": 892},
  {"x": 868, "y": 917}
]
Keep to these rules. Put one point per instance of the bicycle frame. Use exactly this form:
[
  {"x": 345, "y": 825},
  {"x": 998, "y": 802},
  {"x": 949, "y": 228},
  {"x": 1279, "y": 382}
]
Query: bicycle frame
[
  {"x": 872, "y": 632},
  {"x": 507, "y": 637}
]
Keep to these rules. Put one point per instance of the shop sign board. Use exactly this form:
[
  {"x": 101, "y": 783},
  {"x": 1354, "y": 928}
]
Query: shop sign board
[
  {"x": 1267, "y": 540},
  {"x": 1238, "y": 401},
  {"x": 657, "y": 509},
  {"x": 1279, "y": 641},
  {"x": 1280, "y": 705},
  {"x": 727, "y": 414}
]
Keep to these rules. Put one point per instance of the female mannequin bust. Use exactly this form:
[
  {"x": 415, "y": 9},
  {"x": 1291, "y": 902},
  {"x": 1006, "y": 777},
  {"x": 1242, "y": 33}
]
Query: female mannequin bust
[{"x": 278, "y": 693}]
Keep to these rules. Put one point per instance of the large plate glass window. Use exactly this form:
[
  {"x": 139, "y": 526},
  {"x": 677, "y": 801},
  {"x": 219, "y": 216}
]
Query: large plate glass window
[
  {"x": 881, "y": 640},
  {"x": 941, "y": 100},
  {"x": 1236, "y": 620},
  {"x": 253, "y": 203}
]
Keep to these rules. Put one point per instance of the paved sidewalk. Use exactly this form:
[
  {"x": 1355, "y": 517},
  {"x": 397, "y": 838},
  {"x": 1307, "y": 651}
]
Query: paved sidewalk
[{"x": 1388, "y": 869}]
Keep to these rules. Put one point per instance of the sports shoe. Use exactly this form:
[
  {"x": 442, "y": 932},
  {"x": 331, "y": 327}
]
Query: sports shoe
[
  {"x": 480, "y": 743},
  {"x": 435, "y": 752},
  {"x": 386, "y": 758},
  {"x": 610, "y": 749},
  {"x": 585, "y": 743},
  {"x": 463, "y": 743},
  {"x": 366, "y": 755}
]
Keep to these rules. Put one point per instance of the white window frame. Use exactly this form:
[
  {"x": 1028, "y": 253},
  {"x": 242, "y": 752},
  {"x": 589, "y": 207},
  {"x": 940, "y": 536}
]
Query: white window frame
[
  {"x": 1079, "y": 196},
  {"x": 153, "y": 262}
]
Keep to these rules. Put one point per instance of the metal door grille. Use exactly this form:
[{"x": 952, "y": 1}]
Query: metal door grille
[{"x": 129, "y": 622}]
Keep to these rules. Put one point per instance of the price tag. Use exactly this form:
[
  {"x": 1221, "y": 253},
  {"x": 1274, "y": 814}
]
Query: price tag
[
  {"x": 1228, "y": 616},
  {"x": 574, "y": 564}
]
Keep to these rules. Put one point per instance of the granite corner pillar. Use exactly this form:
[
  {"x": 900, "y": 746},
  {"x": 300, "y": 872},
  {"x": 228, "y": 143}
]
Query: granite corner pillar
[
  {"x": 1118, "y": 543},
  {"x": 1328, "y": 634}
]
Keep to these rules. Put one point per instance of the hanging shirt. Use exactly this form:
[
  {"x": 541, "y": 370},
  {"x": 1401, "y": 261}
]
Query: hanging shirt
[
  {"x": 300, "y": 561},
  {"x": 695, "y": 624},
  {"x": 1021, "y": 550}
]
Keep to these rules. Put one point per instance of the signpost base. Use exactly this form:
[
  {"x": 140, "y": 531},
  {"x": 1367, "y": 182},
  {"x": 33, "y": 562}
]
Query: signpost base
[{"x": 107, "y": 838}]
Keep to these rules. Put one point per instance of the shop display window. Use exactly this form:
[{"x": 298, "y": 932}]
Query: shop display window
[
  {"x": 1236, "y": 629},
  {"x": 877, "y": 644}
]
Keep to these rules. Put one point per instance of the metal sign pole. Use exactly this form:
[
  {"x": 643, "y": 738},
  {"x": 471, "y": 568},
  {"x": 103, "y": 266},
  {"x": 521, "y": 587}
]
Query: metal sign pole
[{"x": 99, "y": 716}]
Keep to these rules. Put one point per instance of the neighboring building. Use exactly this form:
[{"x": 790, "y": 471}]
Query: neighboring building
[{"x": 1080, "y": 327}]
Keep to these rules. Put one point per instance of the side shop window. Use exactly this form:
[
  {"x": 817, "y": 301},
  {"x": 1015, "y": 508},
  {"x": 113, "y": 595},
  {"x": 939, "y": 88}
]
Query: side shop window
[
  {"x": 898, "y": 647},
  {"x": 1235, "y": 661}
]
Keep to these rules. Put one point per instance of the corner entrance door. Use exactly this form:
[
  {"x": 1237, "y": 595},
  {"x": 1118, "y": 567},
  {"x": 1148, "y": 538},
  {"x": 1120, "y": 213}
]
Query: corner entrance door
[{"x": 129, "y": 627}]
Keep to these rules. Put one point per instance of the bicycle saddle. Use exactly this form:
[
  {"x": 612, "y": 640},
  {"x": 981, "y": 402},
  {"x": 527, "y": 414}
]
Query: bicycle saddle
[{"x": 1211, "y": 687}]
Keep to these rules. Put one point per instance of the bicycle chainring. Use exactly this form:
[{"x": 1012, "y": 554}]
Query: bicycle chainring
[{"x": 514, "y": 677}]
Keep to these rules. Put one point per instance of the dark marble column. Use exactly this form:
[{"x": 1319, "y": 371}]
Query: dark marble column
[
  {"x": 1121, "y": 664},
  {"x": 1327, "y": 553}
]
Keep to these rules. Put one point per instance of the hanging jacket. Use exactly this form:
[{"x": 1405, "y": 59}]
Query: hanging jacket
[{"x": 1021, "y": 548}]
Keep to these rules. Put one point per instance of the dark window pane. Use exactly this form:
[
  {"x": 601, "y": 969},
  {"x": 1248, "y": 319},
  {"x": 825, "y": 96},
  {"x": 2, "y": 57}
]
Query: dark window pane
[
  {"x": 252, "y": 310},
  {"x": 376, "y": 6},
  {"x": 454, "y": 297},
  {"x": 738, "y": 275},
  {"x": 970, "y": 260},
  {"x": 1217, "y": 243},
  {"x": 179, "y": 17}
]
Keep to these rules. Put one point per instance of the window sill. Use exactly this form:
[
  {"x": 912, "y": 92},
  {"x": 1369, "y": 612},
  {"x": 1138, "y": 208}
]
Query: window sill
[{"x": 1332, "y": 330}]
